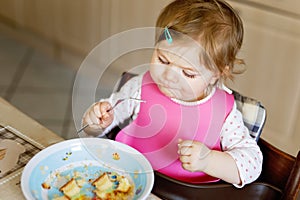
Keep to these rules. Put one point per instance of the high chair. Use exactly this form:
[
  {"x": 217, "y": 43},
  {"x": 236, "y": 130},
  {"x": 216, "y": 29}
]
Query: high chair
[{"x": 280, "y": 177}]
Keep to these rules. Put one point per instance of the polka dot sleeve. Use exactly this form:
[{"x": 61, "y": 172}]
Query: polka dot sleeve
[{"x": 236, "y": 141}]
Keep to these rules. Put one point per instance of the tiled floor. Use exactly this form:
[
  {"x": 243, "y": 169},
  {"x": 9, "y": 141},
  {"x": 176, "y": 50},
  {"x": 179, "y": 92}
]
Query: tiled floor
[{"x": 38, "y": 85}]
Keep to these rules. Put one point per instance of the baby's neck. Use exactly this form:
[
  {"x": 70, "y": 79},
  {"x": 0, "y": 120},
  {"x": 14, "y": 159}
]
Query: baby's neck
[{"x": 197, "y": 101}]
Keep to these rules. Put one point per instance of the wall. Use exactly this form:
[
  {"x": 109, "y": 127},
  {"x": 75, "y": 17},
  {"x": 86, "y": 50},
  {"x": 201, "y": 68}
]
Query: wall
[
  {"x": 271, "y": 50},
  {"x": 69, "y": 29},
  {"x": 72, "y": 28}
]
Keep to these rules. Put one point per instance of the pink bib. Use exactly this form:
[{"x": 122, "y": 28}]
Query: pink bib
[{"x": 161, "y": 122}]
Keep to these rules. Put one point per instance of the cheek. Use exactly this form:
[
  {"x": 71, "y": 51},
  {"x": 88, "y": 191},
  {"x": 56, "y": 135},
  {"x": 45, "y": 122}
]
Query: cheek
[
  {"x": 155, "y": 71},
  {"x": 152, "y": 69},
  {"x": 186, "y": 88},
  {"x": 153, "y": 65},
  {"x": 194, "y": 88},
  {"x": 208, "y": 76}
]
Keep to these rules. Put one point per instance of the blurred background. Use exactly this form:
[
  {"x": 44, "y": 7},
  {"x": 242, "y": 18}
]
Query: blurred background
[{"x": 44, "y": 42}]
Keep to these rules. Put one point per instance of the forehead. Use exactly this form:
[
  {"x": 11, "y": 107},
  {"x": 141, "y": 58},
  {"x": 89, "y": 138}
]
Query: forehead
[{"x": 182, "y": 52}]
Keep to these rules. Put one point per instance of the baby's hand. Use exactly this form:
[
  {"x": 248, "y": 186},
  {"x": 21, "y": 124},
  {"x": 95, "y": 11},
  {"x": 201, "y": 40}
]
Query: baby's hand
[
  {"x": 99, "y": 116},
  {"x": 193, "y": 155}
]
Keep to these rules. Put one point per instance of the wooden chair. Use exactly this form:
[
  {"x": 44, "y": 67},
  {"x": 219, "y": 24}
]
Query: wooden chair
[{"x": 280, "y": 177}]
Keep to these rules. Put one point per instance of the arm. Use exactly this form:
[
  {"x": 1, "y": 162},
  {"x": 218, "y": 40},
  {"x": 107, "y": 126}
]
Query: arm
[
  {"x": 222, "y": 165},
  {"x": 237, "y": 142},
  {"x": 239, "y": 163},
  {"x": 195, "y": 156}
]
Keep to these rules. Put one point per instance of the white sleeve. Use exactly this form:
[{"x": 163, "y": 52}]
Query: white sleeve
[
  {"x": 128, "y": 108},
  {"x": 237, "y": 142}
]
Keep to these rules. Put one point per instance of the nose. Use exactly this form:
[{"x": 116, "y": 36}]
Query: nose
[{"x": 170, "y": 74}]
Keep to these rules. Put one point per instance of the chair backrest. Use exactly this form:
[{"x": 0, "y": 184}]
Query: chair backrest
[
  {"x": 254, "y": 114},
  {"x": 280, "y": 170}
]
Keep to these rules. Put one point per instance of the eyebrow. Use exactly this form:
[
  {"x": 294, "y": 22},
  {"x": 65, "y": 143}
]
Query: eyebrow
[{"x": 160, "y": 53}]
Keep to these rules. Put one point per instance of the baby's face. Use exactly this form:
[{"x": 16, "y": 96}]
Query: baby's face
[{"x": 177, "y": 71}]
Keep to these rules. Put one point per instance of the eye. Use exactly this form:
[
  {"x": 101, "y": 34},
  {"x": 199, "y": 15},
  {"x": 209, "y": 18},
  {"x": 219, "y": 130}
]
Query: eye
[
  {"x": 163, "y": 61},
  {"x": 188, "y": 74}
]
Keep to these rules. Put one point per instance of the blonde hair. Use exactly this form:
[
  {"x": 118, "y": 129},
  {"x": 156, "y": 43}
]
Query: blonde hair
[{"x": 212, "y": 23}]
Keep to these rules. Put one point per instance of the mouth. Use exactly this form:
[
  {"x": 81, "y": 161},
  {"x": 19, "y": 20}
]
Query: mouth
[
  {"x": 168, "y": 91},
  {"x": 166, "y": 86}
]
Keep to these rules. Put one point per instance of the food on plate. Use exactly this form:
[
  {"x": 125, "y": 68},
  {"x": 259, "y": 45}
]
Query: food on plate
[
  {"x": 46, "y": 186},
  {"x": 116, "y": 156},
  {"x": 61, "y": 198},
  {"x": 70, "y": 189},
  {"x": 103, "y": 183},
  {"x": 106, "y": 186},
  {"x": 112, "y": 186}
]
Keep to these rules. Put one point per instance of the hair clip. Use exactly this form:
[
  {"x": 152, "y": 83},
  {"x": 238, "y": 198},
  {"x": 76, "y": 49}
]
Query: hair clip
[{"x": 168, "y": 35}]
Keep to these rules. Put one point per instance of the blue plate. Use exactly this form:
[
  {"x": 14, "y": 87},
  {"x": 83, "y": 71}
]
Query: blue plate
[{"x": 85, "y": 159}]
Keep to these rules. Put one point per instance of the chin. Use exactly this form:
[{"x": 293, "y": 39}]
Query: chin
[{"x": 166, "y": 92}]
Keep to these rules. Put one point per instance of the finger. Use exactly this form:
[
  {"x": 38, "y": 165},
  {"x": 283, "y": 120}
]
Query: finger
[
  {"x": 94, "y": 119},
  {"x": 188, "y": 167},
  {"x": 186, "y": 143},
  {"x": 179, "y": 141},
  {"x": 86, "y": 120},
  {"x": 107, "y": 115},
  {"x": 104, "y": 107},
  {"x": 95, "y": 126},
  {"x": 105, "y": 123},
  {"x": 110, "y": 111},
  {"x": 185, "y": 151},
  {"x": 185, "y": 166},
  {"x": 185, "y": 159},
  {"x": 92, "y": 124},
  {"x": 96, "y": 109}
]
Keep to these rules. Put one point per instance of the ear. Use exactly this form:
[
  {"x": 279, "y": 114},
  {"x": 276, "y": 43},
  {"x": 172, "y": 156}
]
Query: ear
[{"x": 226, "y": 71}]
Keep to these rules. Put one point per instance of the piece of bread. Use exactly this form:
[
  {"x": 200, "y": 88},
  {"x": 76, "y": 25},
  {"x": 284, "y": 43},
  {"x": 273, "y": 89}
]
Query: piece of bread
[
  {"x": 124, "y": 185},
  {"x": 103, "y": 183},
  {"x": 103, "y": 194},
  {"x": 61, "y": 198},
  {"x": 111, "y": 186},
  {"x": 70, "y": 189}
]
